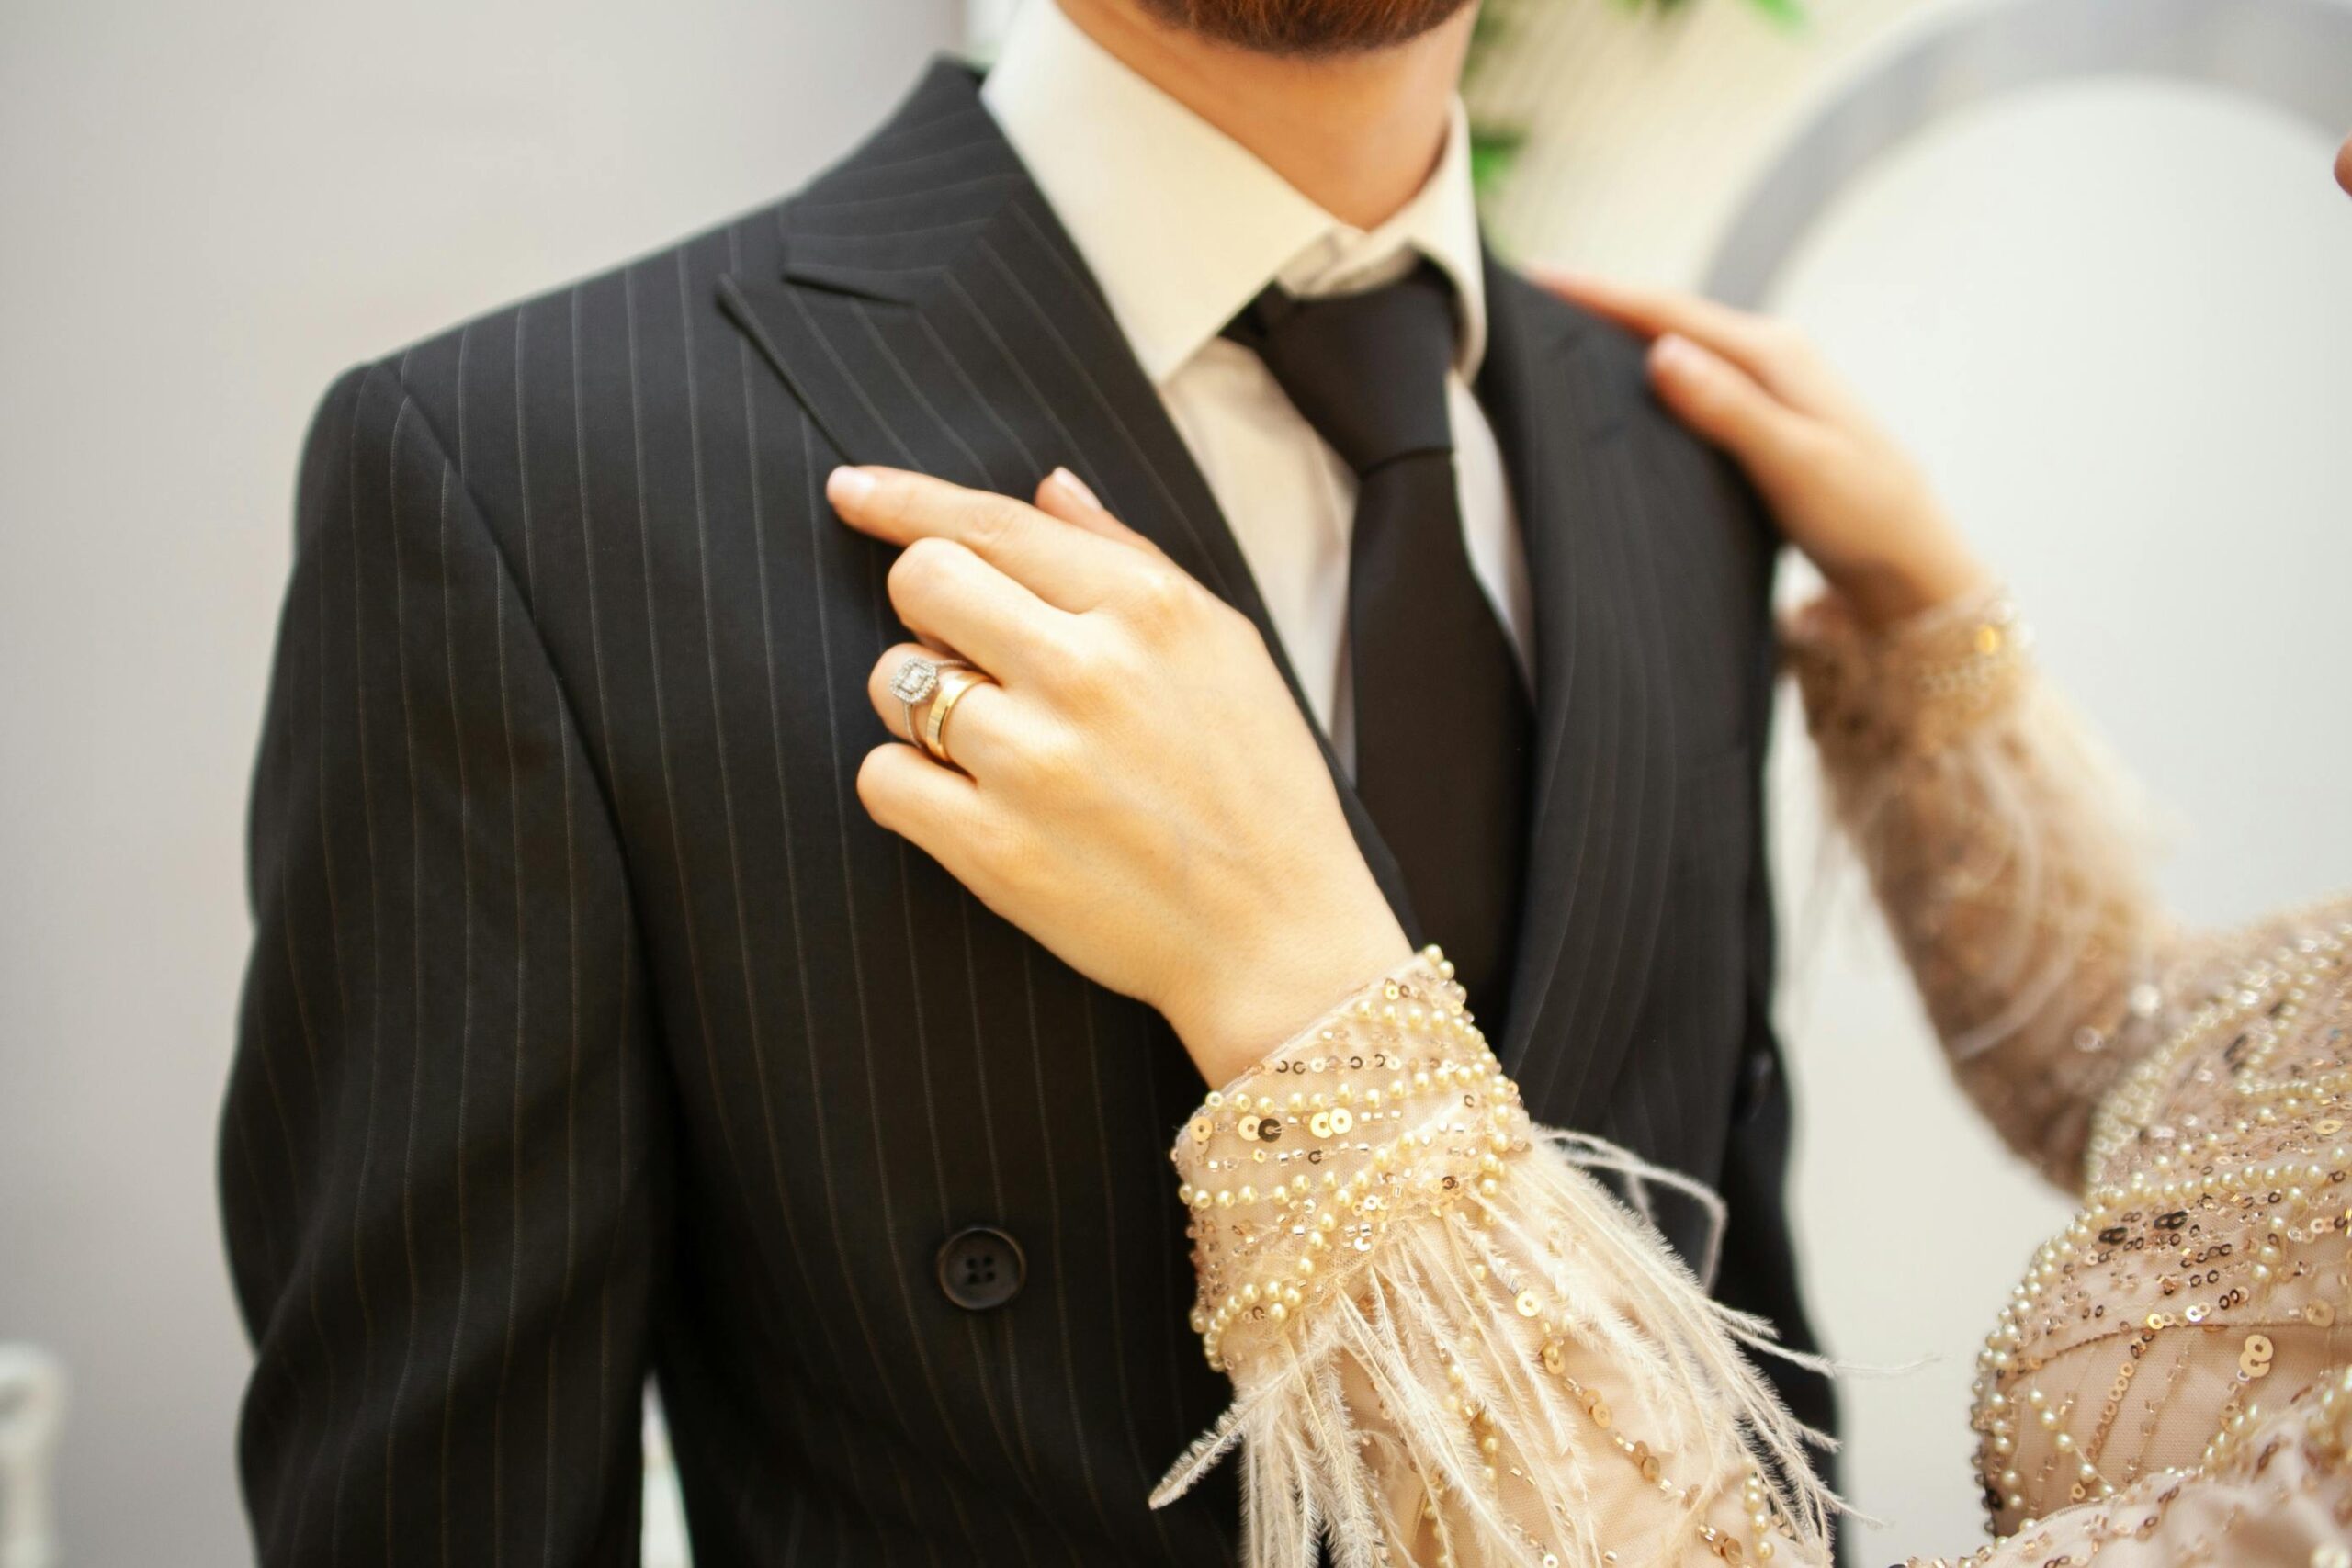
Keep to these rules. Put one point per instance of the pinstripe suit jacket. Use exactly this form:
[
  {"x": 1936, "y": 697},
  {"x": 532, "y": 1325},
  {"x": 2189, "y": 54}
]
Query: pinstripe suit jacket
[{"x": 592, "y": 1030}]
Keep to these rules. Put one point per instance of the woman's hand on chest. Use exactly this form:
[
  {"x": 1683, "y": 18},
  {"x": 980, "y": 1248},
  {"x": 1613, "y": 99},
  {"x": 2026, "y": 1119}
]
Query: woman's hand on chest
[{"x": 1134, "y": 786}]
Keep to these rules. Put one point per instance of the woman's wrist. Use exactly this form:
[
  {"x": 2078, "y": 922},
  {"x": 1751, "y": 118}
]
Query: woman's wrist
[
  {"x": 1258, "y": 992},
  {"x": 1877, "y": 695},
  {"x": 1939, "y": 569}
]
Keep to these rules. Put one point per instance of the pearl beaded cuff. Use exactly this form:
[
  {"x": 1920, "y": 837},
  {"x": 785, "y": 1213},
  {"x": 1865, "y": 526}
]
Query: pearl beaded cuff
[{"x": 1388, "y": 1107}]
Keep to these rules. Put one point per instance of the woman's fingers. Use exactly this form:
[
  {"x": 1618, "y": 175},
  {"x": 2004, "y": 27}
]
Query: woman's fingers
[
  {"x": 1652, "y": 311},
  {"x": 948, "y": 595},
  {"x": 977, "y": 731},
  {"x": 1063, "y": 495},
  {"x": 1072, "y": 567},
  {"x": 1749, "y": 341},
  {"x": 937, "y": 809},
  {"x": 1776, "y": 357},
  {"x": 1724, "y": 402}
]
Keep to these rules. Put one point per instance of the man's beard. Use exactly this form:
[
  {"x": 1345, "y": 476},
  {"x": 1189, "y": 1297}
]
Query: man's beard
[{"x": 1306, "y": 27}]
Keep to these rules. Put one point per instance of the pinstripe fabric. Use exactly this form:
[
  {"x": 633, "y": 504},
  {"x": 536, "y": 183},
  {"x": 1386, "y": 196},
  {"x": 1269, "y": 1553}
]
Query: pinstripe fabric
[{"x": 592, "y": 1028}]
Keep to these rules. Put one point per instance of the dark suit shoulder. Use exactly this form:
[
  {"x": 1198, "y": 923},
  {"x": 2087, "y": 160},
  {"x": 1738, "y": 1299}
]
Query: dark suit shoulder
[
  {"x": 531, "y": 339},
  {"x": 1611, "y": 365},
  {"x": 1609, "y": 359},
  {"x": 543, "y": 353}
]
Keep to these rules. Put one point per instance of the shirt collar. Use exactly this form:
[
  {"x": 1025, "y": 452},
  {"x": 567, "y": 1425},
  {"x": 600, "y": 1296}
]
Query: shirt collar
[{"x": 1181, "y": 224}]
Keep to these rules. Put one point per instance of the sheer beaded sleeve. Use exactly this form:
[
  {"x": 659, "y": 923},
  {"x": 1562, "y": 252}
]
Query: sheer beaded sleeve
[
  {"x": 2195, "y": 1088},
  {"x": 2005, "y": 852},
  {"x": 1448, "y": 1342}
]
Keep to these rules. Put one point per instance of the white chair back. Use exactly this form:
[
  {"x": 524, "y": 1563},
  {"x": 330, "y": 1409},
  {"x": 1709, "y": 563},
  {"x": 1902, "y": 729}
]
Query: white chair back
[{"x": 32, "y": 1411}]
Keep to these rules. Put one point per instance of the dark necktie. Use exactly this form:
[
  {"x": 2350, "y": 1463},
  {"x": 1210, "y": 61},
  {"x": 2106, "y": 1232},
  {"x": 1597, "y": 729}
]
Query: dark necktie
[{"x": 1442, "y": 730}]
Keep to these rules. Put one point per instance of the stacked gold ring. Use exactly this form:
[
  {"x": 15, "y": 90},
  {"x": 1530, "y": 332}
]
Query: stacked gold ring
[{"x": 954, "y": 679}]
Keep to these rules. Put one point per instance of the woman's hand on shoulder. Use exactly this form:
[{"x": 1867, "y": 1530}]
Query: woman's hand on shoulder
[
  {"x": 1139, "y": 791},
  {"x": 1842, "y": 490}
]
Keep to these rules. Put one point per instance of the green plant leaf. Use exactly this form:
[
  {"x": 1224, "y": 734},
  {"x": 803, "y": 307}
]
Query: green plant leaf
[{"x": 1494, "y": 148}]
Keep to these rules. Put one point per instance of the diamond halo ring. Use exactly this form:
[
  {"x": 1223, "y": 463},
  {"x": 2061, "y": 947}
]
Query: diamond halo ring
[{"x": 916, "y": 681}]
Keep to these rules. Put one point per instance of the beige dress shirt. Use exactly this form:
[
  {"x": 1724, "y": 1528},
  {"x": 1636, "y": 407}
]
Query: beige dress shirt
[{"x": 1182, "y": 226}]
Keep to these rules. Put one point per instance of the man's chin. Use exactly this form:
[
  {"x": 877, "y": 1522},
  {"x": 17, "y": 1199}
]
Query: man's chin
[
  {"x": 2344, "y": 165},
  {"x": 1306, "y": 28}
]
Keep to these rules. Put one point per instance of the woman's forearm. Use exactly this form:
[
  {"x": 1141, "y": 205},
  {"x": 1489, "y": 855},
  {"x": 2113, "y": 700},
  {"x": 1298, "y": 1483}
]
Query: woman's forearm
[{"x": 2005, "y": 850}]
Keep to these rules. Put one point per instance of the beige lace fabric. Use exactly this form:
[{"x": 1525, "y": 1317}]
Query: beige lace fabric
[{"x": 1451, "y": 1345}]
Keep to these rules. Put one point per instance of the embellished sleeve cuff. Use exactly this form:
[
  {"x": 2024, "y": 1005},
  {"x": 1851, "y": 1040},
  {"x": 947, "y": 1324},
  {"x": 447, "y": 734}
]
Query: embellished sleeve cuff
[
  {"x": 1447, "y": 1340},
  {"x": 1388, "y": 1107},
  {"x": 1912, "y": 688}
]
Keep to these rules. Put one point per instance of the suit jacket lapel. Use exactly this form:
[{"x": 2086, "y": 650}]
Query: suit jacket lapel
[
  {"x": 933, "y": 315},
  {"x": 1605, "y": 774}
]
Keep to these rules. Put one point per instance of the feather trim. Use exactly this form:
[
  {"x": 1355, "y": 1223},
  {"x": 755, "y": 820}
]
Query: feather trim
[{"x": 1449, "y": 1341}]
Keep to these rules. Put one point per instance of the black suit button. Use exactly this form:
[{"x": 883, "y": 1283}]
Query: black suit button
[{"x": 981, "y": 1268}]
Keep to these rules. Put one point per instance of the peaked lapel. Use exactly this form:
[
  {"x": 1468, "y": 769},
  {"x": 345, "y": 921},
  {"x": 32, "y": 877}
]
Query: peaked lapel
[
  {"x": 934, "y": 314},
  {"x": 1605, "y": 776}
]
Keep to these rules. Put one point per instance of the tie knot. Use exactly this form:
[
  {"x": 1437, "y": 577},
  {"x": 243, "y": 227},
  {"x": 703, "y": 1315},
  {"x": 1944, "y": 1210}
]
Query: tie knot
[{"x": 1368, "y": 370}]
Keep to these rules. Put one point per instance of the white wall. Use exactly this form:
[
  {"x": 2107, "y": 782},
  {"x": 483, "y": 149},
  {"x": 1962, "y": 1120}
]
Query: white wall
[{"x": 207, "y": 210}]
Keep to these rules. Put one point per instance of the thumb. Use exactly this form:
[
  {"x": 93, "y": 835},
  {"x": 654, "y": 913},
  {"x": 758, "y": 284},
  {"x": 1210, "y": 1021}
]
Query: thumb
[{"x": 1725, "y": 404}]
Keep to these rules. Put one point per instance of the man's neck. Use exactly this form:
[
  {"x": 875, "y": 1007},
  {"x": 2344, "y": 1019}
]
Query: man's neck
[{"x": 1357, "y": 135}]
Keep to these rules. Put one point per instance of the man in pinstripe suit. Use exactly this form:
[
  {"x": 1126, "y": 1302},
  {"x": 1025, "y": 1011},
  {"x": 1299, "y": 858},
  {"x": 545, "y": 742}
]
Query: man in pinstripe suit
[{"x": 592, "y": 1031}]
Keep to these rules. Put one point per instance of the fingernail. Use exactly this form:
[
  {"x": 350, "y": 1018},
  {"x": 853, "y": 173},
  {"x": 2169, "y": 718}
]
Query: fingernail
[
  {"x": 1674, "y": 353},
  {"x": 1077, "y": 487},
  {"x": 848, "y": 486}
]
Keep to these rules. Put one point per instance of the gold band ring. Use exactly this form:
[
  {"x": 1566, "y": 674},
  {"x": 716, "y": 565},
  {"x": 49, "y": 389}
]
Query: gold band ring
[{"x": 954, "y": 682}]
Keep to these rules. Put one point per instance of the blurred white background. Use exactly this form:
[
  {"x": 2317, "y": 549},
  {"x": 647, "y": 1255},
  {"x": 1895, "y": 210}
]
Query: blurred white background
[{"x": 2116, "y": 317}]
